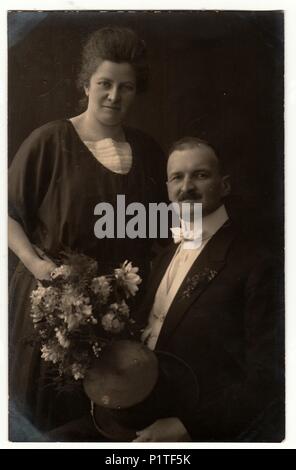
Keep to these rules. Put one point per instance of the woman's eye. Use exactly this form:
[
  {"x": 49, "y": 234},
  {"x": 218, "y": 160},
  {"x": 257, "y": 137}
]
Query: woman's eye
[{"x": 104, "y": 84}]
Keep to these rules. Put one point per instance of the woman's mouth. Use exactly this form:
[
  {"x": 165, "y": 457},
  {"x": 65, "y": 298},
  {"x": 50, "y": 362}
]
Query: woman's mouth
[{"x": 111, "y": 108}]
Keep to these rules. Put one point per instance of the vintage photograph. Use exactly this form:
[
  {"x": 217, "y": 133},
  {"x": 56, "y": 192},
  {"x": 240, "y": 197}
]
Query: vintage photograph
[{"x": 146, "y": 226}]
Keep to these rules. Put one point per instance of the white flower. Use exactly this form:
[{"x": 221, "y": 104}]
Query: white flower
[
  {"x": 51, "y": 298},
  {"x": 42, "y": 334},
  {"x": 37, "y": 294},
  {"x": 37, "y": 314},
  {"x": 79, "y": 317},
  {"x": 48, "y": 296},
  {"x": 75, "y": 308},
  {"x": 78, "y": 371},
  {"x": 101, "y": 286},
  {"x": 63, "y": 271},
  {"x": 116, "y": 318},
  {"x": 68, "y": 298},
  {"x": 86, "y": 310},
  {"x": 112, "y": 323},
  {"x": 51, "y": 352},
  {"x": 44, "y": 300},
  {"x": 62, "y": 339},
  {"x": 73, "y": 321},
  {"x": 96, "y": 349},
  {"x": 120, "y": 309},
  {"x": 128, "y": 278}
]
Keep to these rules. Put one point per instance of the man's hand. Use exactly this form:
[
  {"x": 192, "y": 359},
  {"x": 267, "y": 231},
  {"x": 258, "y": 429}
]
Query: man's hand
[{"x": 164, "y": 430}]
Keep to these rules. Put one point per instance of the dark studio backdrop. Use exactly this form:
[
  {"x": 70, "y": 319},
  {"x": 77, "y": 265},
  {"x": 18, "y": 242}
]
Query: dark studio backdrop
[{"x": 216, "y": 75}]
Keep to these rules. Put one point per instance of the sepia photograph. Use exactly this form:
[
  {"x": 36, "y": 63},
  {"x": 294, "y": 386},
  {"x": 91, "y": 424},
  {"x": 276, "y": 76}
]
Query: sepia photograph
[{"x": 146, "y": 226}]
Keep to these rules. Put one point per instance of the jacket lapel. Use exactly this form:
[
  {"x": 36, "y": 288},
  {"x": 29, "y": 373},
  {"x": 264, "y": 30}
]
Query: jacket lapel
[{"x": 207, "y": 266}]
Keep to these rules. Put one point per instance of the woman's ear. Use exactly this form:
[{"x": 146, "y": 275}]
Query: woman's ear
[{"x": 226, "y": 185}]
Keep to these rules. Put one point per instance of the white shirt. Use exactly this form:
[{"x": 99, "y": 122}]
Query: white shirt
[{"x": 177, "y": 270}]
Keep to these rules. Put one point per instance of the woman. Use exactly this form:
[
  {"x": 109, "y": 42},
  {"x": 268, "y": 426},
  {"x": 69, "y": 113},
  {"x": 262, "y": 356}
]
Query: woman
[{"x": 60, "y": 173}]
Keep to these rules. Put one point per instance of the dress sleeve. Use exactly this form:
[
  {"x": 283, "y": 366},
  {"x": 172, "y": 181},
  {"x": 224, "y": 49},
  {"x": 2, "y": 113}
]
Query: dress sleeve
[{"x": 28, "y": 180}]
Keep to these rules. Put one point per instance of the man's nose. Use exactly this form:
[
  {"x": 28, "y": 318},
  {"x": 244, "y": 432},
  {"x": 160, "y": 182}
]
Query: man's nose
[
  {"x": 114, "y": 94},
  {"x": 187, "y": 184}
]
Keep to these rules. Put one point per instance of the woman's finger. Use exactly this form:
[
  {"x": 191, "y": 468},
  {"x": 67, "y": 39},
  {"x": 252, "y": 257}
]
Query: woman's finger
[
  {"x": 38, "y": 251},
  {"x": 44, "y": 256}
]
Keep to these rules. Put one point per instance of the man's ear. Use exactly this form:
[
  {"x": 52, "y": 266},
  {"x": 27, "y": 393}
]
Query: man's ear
[
  {"x": 226, "y": 185},
  {"x": 86, "y": 90},
  {"x": 169, "y": 192}
]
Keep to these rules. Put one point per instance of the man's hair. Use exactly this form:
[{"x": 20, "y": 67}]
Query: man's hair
[
  {"x": 195, "y": 142},
  {"x": 115, "y": 44}
]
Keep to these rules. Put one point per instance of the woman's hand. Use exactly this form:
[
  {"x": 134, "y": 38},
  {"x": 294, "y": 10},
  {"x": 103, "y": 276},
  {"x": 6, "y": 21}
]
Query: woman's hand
[
  {"x": 33, "y": 258},
  {"x": 164, "y": 430},
  {"x": 41, "y": 268}
]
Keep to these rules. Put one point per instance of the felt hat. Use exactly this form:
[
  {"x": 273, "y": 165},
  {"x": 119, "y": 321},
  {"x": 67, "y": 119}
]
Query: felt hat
[
  {"x": 124, "y": 375},
  {"x": 131, "y": 386}
]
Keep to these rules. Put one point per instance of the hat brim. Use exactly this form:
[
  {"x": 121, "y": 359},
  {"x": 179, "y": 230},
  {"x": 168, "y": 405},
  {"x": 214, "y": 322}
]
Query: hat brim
[
  {"x": 124, "y": 375},
  {"x": 176, "y": 392}
]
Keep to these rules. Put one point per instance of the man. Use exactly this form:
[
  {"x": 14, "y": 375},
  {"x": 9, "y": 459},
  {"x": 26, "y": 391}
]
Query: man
[{"x": 215, "y": 307}]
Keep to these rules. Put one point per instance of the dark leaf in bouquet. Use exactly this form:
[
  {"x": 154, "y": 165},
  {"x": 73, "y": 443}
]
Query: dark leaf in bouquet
[{"x": 82, "y": 264}]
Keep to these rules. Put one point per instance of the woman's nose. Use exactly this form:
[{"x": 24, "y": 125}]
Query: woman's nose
[{"x": 114, "y": 94}]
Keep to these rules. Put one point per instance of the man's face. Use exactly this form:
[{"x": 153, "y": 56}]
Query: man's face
[{"x": 194, "y": 176}]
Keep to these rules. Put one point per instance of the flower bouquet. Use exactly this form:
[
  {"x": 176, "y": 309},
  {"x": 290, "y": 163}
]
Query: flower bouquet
[{"x": 78, "y": 313}]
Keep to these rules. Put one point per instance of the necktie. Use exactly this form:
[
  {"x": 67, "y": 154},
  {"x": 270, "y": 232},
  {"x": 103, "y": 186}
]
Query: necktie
[
  {"x": 179, "y": 234},
  {"x": 183, "y": 235}
]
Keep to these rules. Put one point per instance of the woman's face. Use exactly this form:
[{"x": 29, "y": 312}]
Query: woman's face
[{"x": 110, "y": 92}]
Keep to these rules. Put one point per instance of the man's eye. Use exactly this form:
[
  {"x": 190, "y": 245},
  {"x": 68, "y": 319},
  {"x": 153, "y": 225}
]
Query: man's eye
[
  {"x": 202, "y": 176},
  {"x": 176, "y": 178},
  {"x": 128, "y": 87}
]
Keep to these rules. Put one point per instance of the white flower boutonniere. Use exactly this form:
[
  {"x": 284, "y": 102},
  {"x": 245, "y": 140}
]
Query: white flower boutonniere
[{"x": 197, "y": 280}]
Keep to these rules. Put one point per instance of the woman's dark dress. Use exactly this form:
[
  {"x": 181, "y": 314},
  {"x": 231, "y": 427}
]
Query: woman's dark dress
[{"x": 54, "y": 186}]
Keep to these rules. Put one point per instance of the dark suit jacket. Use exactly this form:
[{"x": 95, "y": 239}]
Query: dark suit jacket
[{"x": 225, "y": 322}]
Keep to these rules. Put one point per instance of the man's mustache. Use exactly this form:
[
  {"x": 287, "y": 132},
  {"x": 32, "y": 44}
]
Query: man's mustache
[{"x": 189, "y": 195}]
